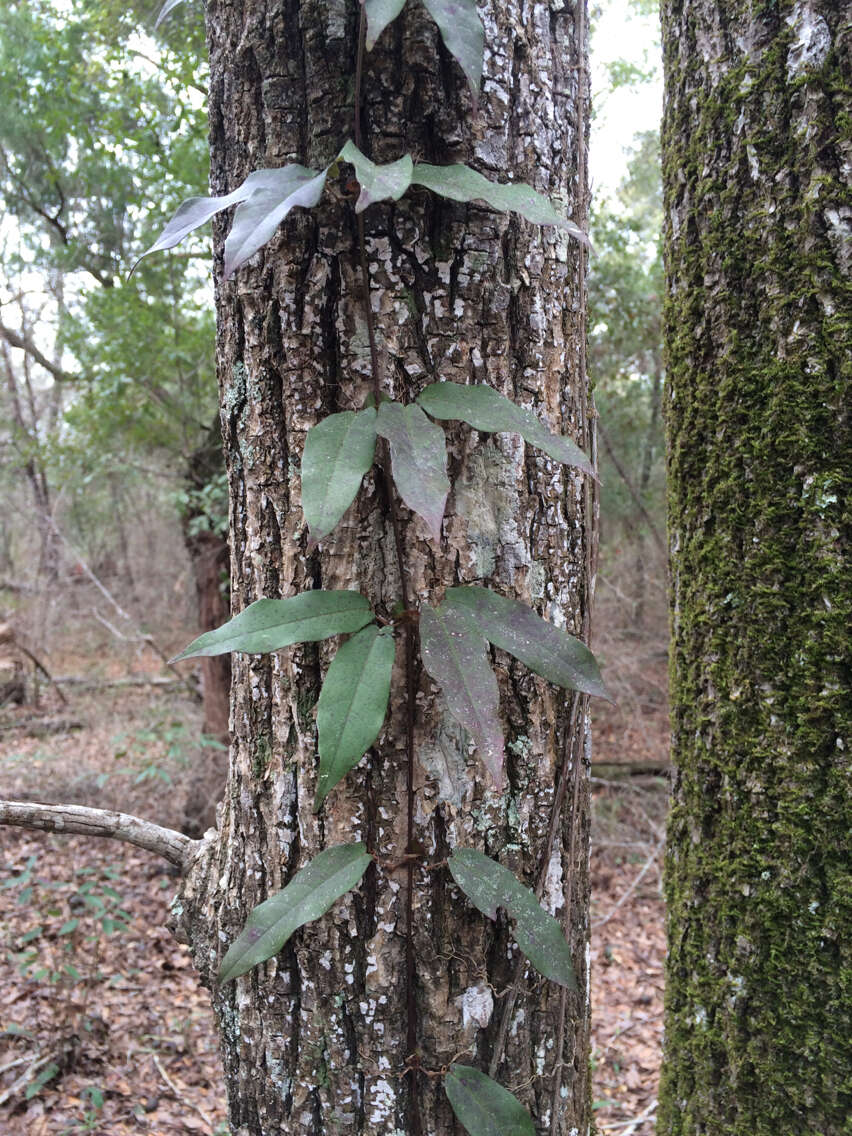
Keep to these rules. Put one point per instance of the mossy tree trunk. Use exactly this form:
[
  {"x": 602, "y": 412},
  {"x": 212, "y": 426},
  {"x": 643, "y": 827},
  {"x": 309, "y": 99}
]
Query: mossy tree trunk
[
  {"x": 314, "y": 1041},
  {"x": 756, "y": 168}
]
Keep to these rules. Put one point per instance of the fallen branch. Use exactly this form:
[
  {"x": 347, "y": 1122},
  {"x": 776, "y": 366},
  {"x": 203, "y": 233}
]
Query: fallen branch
[
  {"x": 77, "y": 820},
  {"x": 107, "y": 683},
  {"x": 42, "y": 727},
  {"x": 25, "y": 1078}
]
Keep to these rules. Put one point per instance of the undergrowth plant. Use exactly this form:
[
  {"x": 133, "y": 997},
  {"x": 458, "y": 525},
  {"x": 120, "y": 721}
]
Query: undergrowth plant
[{"x": 454, "y": 634}]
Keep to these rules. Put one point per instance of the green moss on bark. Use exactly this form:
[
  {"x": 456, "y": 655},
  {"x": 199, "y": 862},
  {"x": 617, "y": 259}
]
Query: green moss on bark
[{"x": 757, "y": 325}]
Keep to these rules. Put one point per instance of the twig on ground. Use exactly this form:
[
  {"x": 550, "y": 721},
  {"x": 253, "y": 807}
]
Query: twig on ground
[
  {"x": 630, "y": 1126},
  {"x": 24, "y": 1078},
  {"x": 179, "y": 1096},
  {"x": 645, "y": 867}
]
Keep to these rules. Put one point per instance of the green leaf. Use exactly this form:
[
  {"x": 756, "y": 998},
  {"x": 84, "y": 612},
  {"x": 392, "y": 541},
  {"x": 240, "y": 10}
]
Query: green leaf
[
  {"x": 338, "y": 452},
  {"x": 380, "y": 13},
  {"x": 461, "y": 183},
  {"x": 418, "y": 452},
  {"x": 310, "y": 893},
  {"x": 257, "y": 218},
  {"x": 484, "y": 1107},
  {"x": 168, "y": 7},
  {"x": 488, "y": 885},
  {"x": 37, "y": 1084},
  {"x": 352, "y": 705},
  {"x": 463, "y": 35},
  {"x": 545, "y": 649},
  {"x": 455, "y": 654},
  {"x": 378, "y": 183},
  {"x": 486, "y": 409},
  {"x": 268, "y": 625},
  {"x": 264, "y": 198}
]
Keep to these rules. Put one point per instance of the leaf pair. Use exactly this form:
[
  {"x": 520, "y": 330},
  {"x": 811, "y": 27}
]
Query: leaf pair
[
  {"x": 458, "y": 22},
  {"x": 263, "y": 200},
  {"x": 457, "y": 182},
  {"x": 454, "y": 639},
  {"x": 341, "y": 448}
]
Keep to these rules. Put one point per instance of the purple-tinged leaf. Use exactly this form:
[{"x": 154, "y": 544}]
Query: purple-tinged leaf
[
  {"x": 461, "y": 183},
  {"x": 463, "y": 35},
  {"x": 380, "y": 13},
  {"x": 168, "y": 7},
  {"x": 310, "y": 893},
  {"x": 488, "y": 885},
  {"x": 378, "y": 183},
  {"x": 257, "y": 218},
  {"x": 352, "y": 704},
  {"x": 418, "y": 452},
  {"x": 545, "y": 649},
  {"x": 484, "y": 1107},
  {"x": 456, "y": 656},
  {"x": 486, "y": 409},
  {"x": 338, "y": 452},
  {"x": 268, "y": 625}
]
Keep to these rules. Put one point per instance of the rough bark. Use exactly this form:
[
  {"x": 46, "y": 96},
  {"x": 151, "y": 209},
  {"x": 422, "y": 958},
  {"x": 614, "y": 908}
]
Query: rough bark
[
  {"x": 208, "y": 554},
  {"x": 756, "y": 166},
  {"x": 315, "y": 1040}
]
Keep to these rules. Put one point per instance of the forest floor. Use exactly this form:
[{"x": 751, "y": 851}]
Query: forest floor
[{"x": 89, "y": 1043}]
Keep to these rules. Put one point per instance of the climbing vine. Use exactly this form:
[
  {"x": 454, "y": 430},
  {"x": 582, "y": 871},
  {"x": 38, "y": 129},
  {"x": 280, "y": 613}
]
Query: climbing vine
[{"x": 407, "y": 445}]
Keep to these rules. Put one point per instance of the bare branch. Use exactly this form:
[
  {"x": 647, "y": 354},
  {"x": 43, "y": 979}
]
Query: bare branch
[
  {"x": 24, "y": 343},
  {"x": 74, "y": 819}
]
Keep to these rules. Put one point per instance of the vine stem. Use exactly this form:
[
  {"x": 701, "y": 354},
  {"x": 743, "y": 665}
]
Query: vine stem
[{"x": 411, "y": 1054}]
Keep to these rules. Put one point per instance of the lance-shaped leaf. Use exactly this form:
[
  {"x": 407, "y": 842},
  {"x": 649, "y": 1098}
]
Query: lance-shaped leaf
[
  {"x": 338, "y": 452},
  {"x": 380, "y": 13},
  {"x": 545, "y": 649},
  {"x": 309, "y": 894},
  {"x": 456, "y": 656},
  {"x": 273, "y": 190},
  {"x": 352, "y": 704},
  {"x": 463, "y": 35},
  {"x": 488, "y": 885},
  {"x": 378, "y": 183},
  {"x": 418, "y": 452},
  {"x": 267, "y": 625},
  {"x": 486, "y": 409},
  {"x": 484, "y": 1107},
  {"x": 257, "y": 218},
  {"x": 168, "y": 7},
  {"x": 461, "y": 183}
]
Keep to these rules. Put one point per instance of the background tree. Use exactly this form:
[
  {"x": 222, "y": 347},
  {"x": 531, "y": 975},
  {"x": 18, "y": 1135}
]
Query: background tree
[
  {"x": 92, "y": 125},
  {"x": 757, "y": 336}
]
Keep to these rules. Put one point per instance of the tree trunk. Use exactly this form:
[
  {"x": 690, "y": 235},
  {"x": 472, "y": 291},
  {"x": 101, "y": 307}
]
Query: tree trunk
[
  {"x": 315, "y": 1040},
  {"x": 757, "y": 329}
]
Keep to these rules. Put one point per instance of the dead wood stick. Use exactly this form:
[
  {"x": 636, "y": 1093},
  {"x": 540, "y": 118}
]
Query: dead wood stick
[
  {"x": 180, "y": 1097},
  {"x": 77, "y": 820},
  {"x": 36, "y": 1064}
]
